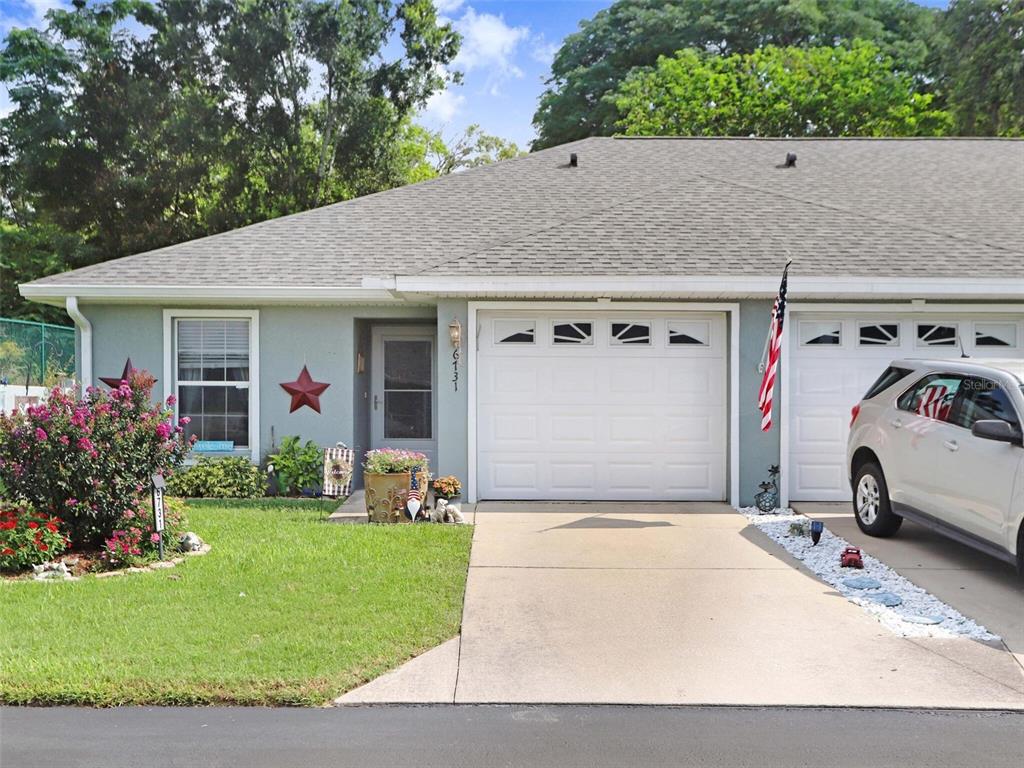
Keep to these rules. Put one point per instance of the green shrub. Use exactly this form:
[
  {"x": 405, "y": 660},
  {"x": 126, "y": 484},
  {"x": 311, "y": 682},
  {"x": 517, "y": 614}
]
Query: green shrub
[
  {"x": 297, "y": 468},
  {"x": 234, "y": 477}
]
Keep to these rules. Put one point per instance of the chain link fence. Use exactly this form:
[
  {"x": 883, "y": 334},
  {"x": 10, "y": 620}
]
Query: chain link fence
[{"x": 36, "y": 354}]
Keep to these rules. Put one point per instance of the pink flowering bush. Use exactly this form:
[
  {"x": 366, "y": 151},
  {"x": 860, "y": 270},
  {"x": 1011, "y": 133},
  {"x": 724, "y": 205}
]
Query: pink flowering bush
[
  {"x": 385, "y": 461},
  {"x": 88, "y": 460}
]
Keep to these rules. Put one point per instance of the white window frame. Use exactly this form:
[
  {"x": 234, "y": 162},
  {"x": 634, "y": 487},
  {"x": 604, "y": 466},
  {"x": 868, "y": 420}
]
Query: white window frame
[
  {"x": 893, "y": 342},
  {"x": 170, "y": 370},
  {"x": 614, "y": 342},
  {"x": 958, "y": 330},
  {"x": 808, "y": 323},
  {"x": 586, "y": 344}
]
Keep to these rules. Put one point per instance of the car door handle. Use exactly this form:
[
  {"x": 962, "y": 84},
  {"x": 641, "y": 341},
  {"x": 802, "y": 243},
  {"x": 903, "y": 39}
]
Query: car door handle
[
  {"x": 896, "y": 423},
  {"x": 951, "y": 445}
]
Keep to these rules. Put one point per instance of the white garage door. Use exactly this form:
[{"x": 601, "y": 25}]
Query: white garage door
[
  {"x": 601, "y": 405},
  {"x": 835, "y": 359}
]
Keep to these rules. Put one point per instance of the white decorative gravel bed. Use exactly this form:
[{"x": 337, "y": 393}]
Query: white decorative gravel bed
[{"x": 918, "y": 614}]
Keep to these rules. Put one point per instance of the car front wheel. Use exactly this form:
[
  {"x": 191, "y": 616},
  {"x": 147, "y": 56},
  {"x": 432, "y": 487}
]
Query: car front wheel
[{"x": 871, "y": 504}]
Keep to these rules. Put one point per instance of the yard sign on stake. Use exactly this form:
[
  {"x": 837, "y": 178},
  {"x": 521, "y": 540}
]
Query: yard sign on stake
[{"x": 158, "y": 510}]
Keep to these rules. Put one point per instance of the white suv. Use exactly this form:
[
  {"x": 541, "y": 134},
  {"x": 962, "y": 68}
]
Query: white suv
[{"x": 940, "y": 442}]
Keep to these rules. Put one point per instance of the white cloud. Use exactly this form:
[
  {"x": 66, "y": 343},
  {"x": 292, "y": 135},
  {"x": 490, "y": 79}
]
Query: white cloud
[
  {"x": 489, "y": 43},
  {"x": 543, "y": 51},
  {"x": 445, "y": 7},
  {"x": 443, "y": 106}
]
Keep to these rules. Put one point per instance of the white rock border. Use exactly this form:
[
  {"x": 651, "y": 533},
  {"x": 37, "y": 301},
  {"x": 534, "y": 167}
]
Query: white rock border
[
  {"x": 920, "y": 614},
  {"x": 159, "y": 565}
]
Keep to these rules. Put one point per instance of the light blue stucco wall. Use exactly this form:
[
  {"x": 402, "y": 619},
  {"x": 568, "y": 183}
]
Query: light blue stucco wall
[
  {"x": 758, "y": 450},
  {"x": 452, "y": 405},
  {"x": 328, "y": 340}
]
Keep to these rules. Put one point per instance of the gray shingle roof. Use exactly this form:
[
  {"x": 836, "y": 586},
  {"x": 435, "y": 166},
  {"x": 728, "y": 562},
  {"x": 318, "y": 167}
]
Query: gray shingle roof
[{"x": 937, "y": 208}]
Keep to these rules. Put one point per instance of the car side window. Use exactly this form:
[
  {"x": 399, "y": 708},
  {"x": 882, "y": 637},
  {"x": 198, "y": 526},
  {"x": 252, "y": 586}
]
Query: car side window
[
  {"x": 932, "y": 397},
  {"x": 983, "y": 399}
]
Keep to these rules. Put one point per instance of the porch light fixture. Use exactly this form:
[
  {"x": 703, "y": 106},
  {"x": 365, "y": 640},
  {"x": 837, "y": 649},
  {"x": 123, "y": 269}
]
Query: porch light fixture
[{"x": 455, "y": 332}]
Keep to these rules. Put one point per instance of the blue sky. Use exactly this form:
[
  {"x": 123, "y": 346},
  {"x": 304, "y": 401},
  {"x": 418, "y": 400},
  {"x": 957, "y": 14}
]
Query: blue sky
[{"x": 505, "y": 57}]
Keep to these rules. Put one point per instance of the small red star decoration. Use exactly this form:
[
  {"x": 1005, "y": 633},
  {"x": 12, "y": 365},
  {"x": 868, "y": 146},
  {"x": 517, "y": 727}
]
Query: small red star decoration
[
  {"x": 115, "y": 381},
  {"x": 305, "y": 391}
]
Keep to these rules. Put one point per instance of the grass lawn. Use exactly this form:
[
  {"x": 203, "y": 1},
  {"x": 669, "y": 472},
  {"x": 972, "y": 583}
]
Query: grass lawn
[{"x": 284, "y": 610}]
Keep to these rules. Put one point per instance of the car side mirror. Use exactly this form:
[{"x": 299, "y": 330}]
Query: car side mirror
[{"x": 996, "y": 429}]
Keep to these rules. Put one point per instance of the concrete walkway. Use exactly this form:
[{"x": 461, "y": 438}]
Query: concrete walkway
[{"x": 673, "y": 604}]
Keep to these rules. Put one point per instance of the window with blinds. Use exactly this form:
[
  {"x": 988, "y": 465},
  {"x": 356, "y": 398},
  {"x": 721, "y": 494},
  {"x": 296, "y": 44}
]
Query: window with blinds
[{"x": 212, "y": 378}]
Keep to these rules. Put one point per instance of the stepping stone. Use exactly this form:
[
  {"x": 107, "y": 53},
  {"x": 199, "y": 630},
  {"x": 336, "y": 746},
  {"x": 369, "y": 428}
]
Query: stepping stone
[
  {"x": 885, "y": 598},
  {"x": 924, "y": 619},
  {"x": 862, "y": 582}
]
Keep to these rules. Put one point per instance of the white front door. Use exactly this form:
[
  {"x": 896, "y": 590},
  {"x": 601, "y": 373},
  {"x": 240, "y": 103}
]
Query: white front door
[
  {"x": 403, "y": 407},
  {"x": 835, "y": 357},
  {"x": 602, "y": 405}
]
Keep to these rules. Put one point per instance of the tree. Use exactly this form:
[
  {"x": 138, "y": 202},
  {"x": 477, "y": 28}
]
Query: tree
[
  {"x": 777, "y": 92},
  {"x": 139, "y": 124},
  {"x": 985, "y": 66},
  {"x": 634, "y": 33}
]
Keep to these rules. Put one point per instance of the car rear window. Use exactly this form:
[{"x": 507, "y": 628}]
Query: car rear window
[{"x": 890, "y": 376}]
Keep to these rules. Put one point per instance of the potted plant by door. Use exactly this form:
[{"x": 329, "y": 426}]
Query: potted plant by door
[
  {"x": 447, "y": 487},
  {"x": 387, "y": 475}
]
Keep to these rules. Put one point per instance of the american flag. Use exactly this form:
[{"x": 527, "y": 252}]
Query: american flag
[
  {"x": 415, "y": 498},
  {"x": 774, "y": 350}
]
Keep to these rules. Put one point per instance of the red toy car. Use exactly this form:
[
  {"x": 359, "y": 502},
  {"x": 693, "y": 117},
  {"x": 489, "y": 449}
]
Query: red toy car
[{"x": 850, "y": 558}]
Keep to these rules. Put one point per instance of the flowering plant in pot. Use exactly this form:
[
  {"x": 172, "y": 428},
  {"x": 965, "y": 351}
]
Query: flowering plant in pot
[
  {"x": 388, "y": 479},
  {"x": 447, "y": 487}
]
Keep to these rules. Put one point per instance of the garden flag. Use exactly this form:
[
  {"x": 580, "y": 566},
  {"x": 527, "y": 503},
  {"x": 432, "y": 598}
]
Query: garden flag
[
  {"x": 773, "y": 348},
  {"x": 415, "y": 498}
]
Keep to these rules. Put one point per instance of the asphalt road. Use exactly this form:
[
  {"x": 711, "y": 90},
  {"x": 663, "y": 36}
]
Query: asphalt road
[{"x": 453, "y": 736}]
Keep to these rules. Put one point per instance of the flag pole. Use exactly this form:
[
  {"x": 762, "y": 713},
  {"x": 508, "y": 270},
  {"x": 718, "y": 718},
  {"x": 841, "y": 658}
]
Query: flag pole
[{"x": 764, "y": 352}]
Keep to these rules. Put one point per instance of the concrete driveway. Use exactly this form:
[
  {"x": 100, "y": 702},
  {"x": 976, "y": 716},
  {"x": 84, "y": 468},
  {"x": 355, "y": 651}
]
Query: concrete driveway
[{"x": 674, "y": 604}]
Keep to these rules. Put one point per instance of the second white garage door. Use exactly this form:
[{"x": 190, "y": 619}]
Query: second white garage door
[
  {"x": 602, "y": 405},
  {"x": 836, "y": 357}
]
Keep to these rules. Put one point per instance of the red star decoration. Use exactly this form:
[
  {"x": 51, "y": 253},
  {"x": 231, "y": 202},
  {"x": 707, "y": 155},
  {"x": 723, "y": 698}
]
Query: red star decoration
[
  {"x": 305, "y": 391},
  {"x": 115, "y": 381}
]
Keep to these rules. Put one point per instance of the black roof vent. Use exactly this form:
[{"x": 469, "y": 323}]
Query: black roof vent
[
  {"x": 790, "y": 161},
  {"x": 574, "y": 161}
]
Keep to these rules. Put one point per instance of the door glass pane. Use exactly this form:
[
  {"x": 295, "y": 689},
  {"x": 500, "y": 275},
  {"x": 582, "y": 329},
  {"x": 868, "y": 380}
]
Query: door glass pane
[
  {"x": 407, "y": 365},
  {"x": 407, "y": 415}
]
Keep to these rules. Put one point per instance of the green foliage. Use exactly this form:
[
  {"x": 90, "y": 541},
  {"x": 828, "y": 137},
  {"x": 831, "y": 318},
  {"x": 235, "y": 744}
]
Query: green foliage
[
  {"x": 777, "y": 92},
  {"x": 594, "y": 61},
  {"x": 27, "y": 538},
  {"x": 984, "y": 66},
  {"x": 139, "y": 124},
  {"x": 297, "y": 468},
  {"x": 226, "y": 478}
]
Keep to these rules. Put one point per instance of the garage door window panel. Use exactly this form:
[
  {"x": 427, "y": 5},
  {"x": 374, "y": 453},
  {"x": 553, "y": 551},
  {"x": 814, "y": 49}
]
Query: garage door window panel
[
  {"x": 821, "y": 334},
  {"x": 937, "y": 334},
  {"x": 878, "y": 334},
  {"x": 630, "y": 333},
  {"x": 515, "y": 331},
  {"x": 682, "y": 333},
  {"x": 995, "y": 335},
  {"x": 573, "y": 333}
]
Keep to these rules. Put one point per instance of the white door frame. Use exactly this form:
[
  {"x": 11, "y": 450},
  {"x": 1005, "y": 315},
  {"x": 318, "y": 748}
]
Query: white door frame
[
  {"x": 732, "y": 311},
  {"x": 400, "y": 332},
  {"x": 794, "y": 308}
]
